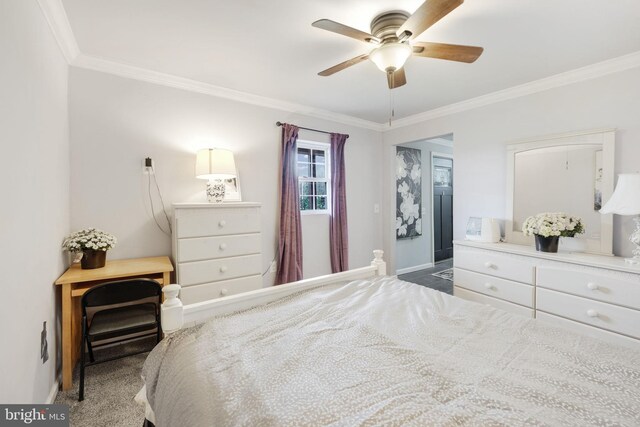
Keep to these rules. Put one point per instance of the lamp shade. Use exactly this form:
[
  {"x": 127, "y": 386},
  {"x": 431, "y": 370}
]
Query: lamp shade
[
  {"x": 391, "y": 56},
  {"x": 626, "y": 197},
  {"x": 215, "y": 163}
]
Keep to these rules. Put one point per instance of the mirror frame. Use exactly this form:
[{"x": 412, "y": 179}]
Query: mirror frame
[{"x": 604, "y": 137}]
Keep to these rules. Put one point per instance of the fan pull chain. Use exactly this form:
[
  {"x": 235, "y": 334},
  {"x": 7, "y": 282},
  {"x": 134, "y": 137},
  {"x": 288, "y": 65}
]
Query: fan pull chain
[{"x": 391, "y": 106}]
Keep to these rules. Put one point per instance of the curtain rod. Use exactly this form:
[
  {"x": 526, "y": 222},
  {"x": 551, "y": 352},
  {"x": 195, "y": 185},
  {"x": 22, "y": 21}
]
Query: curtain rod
[{"x": 312, "y": 130}]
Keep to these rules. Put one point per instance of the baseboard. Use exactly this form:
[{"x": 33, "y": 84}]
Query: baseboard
[
  {"x": 414, "y": 268},
  {"x": 53, "y": 393}
]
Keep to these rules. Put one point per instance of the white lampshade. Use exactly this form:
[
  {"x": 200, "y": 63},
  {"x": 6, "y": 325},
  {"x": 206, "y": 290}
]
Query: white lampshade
[
  {"x": 626, "y": 197},
  {"x": 391, "y": 56},
  {"x": 215, "y": 163}
]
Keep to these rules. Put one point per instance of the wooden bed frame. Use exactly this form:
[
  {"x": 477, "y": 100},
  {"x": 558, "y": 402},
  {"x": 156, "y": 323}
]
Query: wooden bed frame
[{"x": 175, "y": 315}]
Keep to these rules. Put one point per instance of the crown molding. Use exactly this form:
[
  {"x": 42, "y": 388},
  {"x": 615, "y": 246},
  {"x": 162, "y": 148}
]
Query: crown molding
[
  {"x": 58, "y": 21},
  {"x": 155, "y": 77},
  {"x": 589, "y": 72}
]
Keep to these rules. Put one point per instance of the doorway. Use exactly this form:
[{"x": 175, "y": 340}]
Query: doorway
[
  {"x": 442, "y": 206},
  {"x": 413, "y": 207}
]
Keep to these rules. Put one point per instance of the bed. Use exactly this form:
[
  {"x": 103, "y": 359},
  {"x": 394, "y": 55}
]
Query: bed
[{"x": 360, "y": 348}]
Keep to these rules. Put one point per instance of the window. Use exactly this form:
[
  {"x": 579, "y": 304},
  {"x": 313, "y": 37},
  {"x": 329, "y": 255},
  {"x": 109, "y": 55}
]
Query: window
[{"x": 313, "y": 177}]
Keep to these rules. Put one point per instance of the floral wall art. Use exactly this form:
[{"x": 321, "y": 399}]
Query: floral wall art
[{"x": 409, "y": 192}]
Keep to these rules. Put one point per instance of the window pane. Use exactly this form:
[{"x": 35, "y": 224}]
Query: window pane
[
  {"x": 318, "y": 171},
  {"x": 321, "y": 189},
  {"x": 318, "y": 156},
  {"x": 306, "y": 188},
  {"x": 321, "y": 202},
  {"x": 306, "y": 203},
  {"x": 304, "y": 155},
  {"x": 304, "y": 170}
]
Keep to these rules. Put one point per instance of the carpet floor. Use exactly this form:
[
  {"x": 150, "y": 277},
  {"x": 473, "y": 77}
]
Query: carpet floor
[{"x": 109, "y": 389}]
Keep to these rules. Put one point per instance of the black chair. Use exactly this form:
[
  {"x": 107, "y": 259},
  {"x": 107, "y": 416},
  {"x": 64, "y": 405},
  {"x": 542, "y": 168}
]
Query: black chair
[{"x": 111, "y": 322}]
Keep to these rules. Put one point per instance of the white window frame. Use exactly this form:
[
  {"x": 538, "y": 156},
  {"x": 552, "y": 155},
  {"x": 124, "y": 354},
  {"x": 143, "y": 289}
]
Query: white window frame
[{"x": 318, "y": 146}]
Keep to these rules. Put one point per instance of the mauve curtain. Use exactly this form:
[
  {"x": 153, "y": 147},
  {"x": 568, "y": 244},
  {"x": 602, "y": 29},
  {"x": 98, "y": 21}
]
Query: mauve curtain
[
  {"x": 290, "y": 236},
  {"x": 338, "y": 238}
]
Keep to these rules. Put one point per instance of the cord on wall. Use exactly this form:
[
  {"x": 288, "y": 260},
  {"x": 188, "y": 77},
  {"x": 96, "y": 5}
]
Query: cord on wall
[
  {"x": 270, "y": 269},
  {"x": 149, "y": 165}
]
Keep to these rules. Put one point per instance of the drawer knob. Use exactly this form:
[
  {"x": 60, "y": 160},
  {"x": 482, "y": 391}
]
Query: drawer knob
[
  {"x": 224, "y": 291},
  {"x": 223, "y": 269},
  {"x": 223, "y": 246},
  {"x": 489, "y": 264},
  {"x": 488, "y": 285},
  {"x": 592, "y": 313},
  {"x": 592, "y": 286},
  {"x": 222, "y": 223}
]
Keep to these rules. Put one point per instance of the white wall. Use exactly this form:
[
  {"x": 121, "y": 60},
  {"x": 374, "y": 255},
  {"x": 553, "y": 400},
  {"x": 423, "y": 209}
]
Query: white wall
[
  {"x": 117, "y": 122},
  {"x": 35, "y": 189},
  {"x": 482, "y": 134},
  {"x": 416, "y": 252}
]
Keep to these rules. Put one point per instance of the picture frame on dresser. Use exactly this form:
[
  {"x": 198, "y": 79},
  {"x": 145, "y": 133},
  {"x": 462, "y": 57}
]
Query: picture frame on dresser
[
  {"x": 232, "y": 191},
  {"x": 562, "y": 173}
]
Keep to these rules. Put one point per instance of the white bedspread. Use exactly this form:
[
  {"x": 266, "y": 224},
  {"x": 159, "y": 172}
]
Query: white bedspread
[{"x": 388, "y": 353}]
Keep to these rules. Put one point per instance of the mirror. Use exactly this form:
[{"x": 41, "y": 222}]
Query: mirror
[{"x": 566, "y": 173}]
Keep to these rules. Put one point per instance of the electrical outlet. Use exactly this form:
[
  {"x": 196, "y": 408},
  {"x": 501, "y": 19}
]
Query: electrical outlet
[
  {"x": 147, "y": 166},
  {"x": 273, "y": 267},
  {"x": 44, "y": 345}
]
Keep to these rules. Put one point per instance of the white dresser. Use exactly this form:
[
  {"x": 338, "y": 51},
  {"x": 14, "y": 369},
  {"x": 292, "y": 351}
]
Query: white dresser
[
  {"x": 216, "y": 249},
  {"x": 593, "y": 294}
]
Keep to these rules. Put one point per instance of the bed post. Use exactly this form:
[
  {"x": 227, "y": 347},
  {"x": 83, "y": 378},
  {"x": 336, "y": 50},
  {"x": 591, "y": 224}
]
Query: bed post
[
  {"x": 172, "y": 312},
  {"x": 379, "y": 263}
]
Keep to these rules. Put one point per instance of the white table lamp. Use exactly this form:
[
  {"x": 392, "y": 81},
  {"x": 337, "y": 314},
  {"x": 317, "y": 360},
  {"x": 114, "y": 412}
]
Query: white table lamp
[
  {"x": 215, "y": 165},
  {"x": 626, "y": 201}
]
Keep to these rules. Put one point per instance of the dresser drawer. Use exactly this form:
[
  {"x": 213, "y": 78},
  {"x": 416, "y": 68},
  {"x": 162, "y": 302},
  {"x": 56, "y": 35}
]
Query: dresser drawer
[
  {"x": 199, "y": 272},
  {"x": 587, "y": 330},
  {"x": 614, "y": 287},
  {"x": 495, "y": 264},
  {"x": 216, "y": 222},
  {"x": 208, "y": 291},
  {"x": 495, "y": 287},
  {"x": 595, "y": 313},
  {"x": 493, "y": 302},
  {"x": 202, "y": 248}
]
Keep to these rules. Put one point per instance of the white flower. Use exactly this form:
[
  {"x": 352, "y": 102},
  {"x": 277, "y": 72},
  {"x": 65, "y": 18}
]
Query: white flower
[
  {"x": 402, "y": 231},
  {"x": 410, "y": 210},
  {"x": 401, "y": 167},
  {"x": 416, "y": 173},
  {"x": 89, "y": 238},
  {"x": 552, "y": 224},
  {"x": 403, "y": 189},
  {"x": 419, "y": 226},
  {"x": 398, "y": 222}
]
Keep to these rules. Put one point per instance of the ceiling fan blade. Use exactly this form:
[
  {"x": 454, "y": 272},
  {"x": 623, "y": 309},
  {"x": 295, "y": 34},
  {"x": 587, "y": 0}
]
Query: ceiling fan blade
[
  {"x": 336, "y": 27},
  {"x": 450, "y": 52},
  {"x": 346, "y": 64},
  {"x": 428, "y": 14},
  {"x": 396, "y": 78}
]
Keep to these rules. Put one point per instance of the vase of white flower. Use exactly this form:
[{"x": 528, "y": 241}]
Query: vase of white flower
[
  {"x": 547, "y": 244},
  {"x": 93, "y": 259},
  {"x": 93, "y": 244},
  {"x": 548, "y": 227}
]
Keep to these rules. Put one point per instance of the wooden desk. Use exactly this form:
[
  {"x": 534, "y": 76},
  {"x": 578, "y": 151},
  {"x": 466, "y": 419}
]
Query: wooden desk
[{"x": 76, "y": 281}]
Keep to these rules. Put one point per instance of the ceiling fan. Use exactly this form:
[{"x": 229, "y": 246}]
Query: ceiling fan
[{"x": 392, "y": 34}]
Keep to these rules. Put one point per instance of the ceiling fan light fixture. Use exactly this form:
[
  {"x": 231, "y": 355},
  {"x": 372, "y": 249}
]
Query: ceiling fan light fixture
[{"x": 391, "y": 56}]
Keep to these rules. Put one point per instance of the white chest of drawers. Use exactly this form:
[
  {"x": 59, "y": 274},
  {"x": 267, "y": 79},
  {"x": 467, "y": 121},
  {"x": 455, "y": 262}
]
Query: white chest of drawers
[
  {"x": 596, "y": 295},
  {"x": 216, "y": 249}
]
